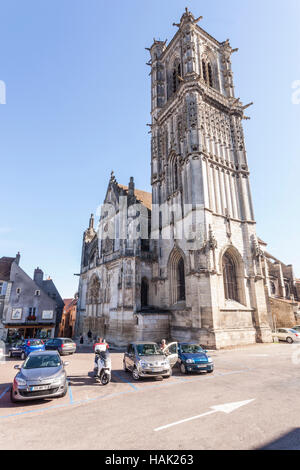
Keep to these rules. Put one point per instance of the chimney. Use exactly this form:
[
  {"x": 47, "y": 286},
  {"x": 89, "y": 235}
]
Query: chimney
[
  {"x": 38, "y": 276},
  {"x": 131, "y": 187},
  {"x": 18, "y": 257}
]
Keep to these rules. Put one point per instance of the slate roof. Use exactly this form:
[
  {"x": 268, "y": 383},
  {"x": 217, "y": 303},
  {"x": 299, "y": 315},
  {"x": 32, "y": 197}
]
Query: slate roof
[{"x": 5, "y": 268}]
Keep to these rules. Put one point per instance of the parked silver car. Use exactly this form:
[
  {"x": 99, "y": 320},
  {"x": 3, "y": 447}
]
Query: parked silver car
[
  {"x": 42, "y": 375},
  {"x": 146, "y": 359},
  {"x": 287, "y": 334}
]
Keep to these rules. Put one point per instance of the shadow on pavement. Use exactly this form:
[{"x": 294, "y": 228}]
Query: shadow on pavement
[{"x": 289, "y": 441}]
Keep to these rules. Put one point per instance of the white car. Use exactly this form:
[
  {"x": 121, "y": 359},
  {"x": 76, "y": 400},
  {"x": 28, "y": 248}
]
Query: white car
[{"x": 287, "y": 334}]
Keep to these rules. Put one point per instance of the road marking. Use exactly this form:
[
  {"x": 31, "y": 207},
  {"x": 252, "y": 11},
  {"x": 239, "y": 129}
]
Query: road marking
[
  {"x": 4, "y": 392},
  {"x": 125, "y": 380},
  {"x": 70, "y": 393},
  {"x": 113, "y": 395},
  {"x": 259, "y": 355},
  {"x": 227, "y": 408}
]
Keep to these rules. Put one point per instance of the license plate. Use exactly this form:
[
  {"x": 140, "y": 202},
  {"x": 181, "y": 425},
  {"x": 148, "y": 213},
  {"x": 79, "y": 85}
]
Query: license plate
[
  {"x": 40, "y": 387},
  {"x": 201, "y": 367},
  {"x": 156, "y": 370}
]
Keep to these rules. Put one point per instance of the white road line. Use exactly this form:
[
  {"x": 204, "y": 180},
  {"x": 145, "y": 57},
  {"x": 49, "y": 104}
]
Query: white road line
[
  {"x": 184, "y": 420},
  {"x": 226, "y": 408}
]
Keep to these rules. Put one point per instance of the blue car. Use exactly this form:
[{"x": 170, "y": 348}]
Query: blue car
[
  {"x": 193, "y": 358},
  {"x": 24, "y": 348}
]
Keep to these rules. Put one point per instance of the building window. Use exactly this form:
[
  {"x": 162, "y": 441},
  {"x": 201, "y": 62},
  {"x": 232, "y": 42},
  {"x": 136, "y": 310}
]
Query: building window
[
  {"x": 94, "y": 291},
  {"x": 230, "y": 278},
  {"x": 207, "y": 73},
  {"x": 210, "y": 76},
  {"x": 37, "y": 293},
  {"x": 144, "y": 293},
  {"x": 180, "y": 281},
  {"x": 175, "y": 176},
  {"x": 287, "y": 290},
  {"x": 272, "y": 288},
  {"x": 32, "y": 313},
  {"x": 177, "y": 277},
  {"x": 3, "y": 288},
  {"x": 204, "y": 73},
  {"x": 175, "y": 78},
  {"x": 174, "y": 173},
  {"x": 18, "y": 290}
]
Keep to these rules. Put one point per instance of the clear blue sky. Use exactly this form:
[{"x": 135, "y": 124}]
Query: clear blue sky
[{"x": 78, "y": 100}]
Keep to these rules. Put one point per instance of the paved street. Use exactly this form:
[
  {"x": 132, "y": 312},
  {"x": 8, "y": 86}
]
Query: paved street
[{"x": 261, "y": 379}]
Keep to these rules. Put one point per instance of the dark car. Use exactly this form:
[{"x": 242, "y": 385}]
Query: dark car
[
  {"x": 63, "y": 345},
  {"x": 24, "y": 347},
  {"x": 42, "y": 375},
  {"x": 193, "y": 358},
  {"x": 15, "y": 349}
]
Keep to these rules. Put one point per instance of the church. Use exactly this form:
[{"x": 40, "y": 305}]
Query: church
[{"x": 185, "y": 262}]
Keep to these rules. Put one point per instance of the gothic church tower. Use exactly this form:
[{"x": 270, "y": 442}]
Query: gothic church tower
[{"x": 210, "y": 277}]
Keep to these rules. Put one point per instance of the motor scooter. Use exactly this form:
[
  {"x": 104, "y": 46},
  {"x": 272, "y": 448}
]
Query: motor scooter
[{"x": 102, "y": 364}]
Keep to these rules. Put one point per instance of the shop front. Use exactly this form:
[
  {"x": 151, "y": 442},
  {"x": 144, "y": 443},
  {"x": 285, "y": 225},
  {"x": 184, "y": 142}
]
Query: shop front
[{"x": 22, "y": 331}]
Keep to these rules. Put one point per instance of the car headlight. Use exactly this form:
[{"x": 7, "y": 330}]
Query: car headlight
[
  {"x": 144, "y": 364},
  {"x": 210, "y": 360},
  {"x": 190, "y": 361},
  {"x": 20, "y": 381},
  {"x": 57, "y": 380}
]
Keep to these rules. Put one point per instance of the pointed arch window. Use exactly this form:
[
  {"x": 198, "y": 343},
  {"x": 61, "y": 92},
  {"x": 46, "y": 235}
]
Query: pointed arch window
[
  {"x": 230, "y": 278},
  {"x": 204, "y": 71},
  {"x": 175, "y": 79},
  {"x": 273, "y": 288},
  {"x": 207, "y": 73},
  {"x": 210, "y": 75},
  {"x": 94, "y": 291},
  {"x": 180, "y": 281},
  {"x": 144, "y": 293},
  {"x": 175, "y": 176},
  {"x": 177, "y": 277}
]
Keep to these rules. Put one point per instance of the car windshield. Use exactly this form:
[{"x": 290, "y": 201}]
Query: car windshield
[
  {"x": 191, "y": 348},
  {"x": 35, "y": 342},
  {"x": 42, "y": 361},
  {"x": 148, "y": 350}
]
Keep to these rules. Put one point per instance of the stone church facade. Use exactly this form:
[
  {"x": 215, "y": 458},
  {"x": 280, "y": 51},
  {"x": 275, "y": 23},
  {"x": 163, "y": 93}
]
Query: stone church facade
[{"x": 183, "y": 263}]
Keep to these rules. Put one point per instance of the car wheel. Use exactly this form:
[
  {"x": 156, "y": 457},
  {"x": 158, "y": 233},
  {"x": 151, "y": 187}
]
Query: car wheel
[
  {"x": 289, "y": 340},
  {"x": 182, "y": 368},
  {"x": 210, "y": 371},
  {"x": 169, "y": 375},
  {"x": 135, "y": 374},
  {"x": 124, "y": 367},
  {"x": 23, "y": 356},
  {"x": 12, "y": 398}
]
